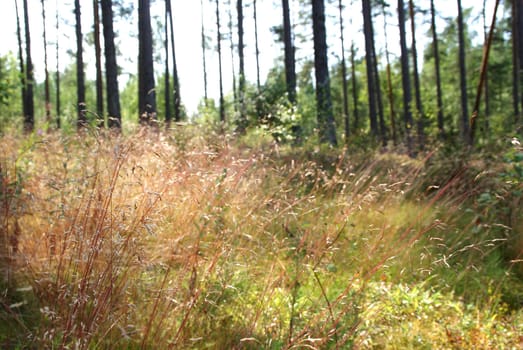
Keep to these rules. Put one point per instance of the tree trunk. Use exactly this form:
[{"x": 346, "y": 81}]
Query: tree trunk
[
  {"x": 46, "y": 71},
  {"x": 57, "y": 87},
  {"x": 344, "y": 76},
  {"x": 98, "y": 57},
  {"x": 519, "y": 20},
  {"x": 29, "y": 78},
  {"x": 111, "y": 67},
  {"x": 219, "y": 39},
  {"x": 21, "y": 62},
  {"x": 379, "y": 98},
  {"x": 233, "y": 59},
  {"x": 405, "y": 76},
  {"x": 290, "y": 60},
  {"x": 204, "y": 55},
  {"x": 487, "y": 92},
  {"x": 435, "y": 51},
  {"x": 80, "y": 79},
  {"x": 326, "y": 125},
  {"x": 354, "y": 87},
  {"x": 167, "y": 75},
  {"x": 257, "y": 50},
  {"x": 390, "y": 91},
  {"x": 463, "y": 77},
  {"x": 146, "y": 84},
  {"x": 176, "y": 80},
  {"x": 417, "y": 86},
  {"x": 242, "y": 123},
  {"x": 369, "y": 58}
]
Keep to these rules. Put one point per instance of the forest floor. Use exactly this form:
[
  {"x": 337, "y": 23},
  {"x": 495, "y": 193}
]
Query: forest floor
[{"x": 198, "y": 240}]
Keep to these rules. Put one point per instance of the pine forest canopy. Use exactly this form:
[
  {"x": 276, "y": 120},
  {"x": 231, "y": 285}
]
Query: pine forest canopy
[{"x": 139, "y": 48}]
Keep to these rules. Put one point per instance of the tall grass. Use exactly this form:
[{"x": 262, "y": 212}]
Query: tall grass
[{"x": 192, "y": 240}]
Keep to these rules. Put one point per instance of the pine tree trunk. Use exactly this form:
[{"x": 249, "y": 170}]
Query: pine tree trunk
[
  {"x": 29, "y": 78},
  {"x": 80, "y": 80},
  {"x": 257, "y": 50},
  {"x": 242, "y": 123},
  {"x": 390, "y": 92},
  {"x": 463, "y": 77},
  {"x": 46, "y": 71},
  {"x": 21, "y": 62},
  {"x": 111, "y": 68},
  {"x": 146, "y": 84},
  {"x": 219, "y": 39},
  {"x": 435, "y": 51},
  {"x": 354, "y": 87},
  {"x": 167, "y": 75},
  {"x": 57, "y": 86},
  {"x": 98, "y": 63},
  {"x": 290, "y": 61},
  {"x": 326, "y": 125},
  {"x": 204, "y": 54},
  {"x": 405, "y": 77},
  {"x": 176, "y": 80},
  {"x": 369, "y": 58},
  {"x": 417, "y": 85},
  {"x": 233, "y": 59},
  {"x": 344, "y": 76}
]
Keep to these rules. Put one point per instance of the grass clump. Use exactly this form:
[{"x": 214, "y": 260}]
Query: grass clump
[{"x": 149, "y": 242}]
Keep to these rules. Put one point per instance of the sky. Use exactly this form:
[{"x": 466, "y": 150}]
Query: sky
[{"x": 187, "y": 36}]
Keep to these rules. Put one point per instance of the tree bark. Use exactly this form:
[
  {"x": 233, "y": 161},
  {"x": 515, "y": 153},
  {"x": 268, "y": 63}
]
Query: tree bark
[
  {"x": 219, "y": 39},
  {"x": 405, "y": 77},
  {"x": 242, "y": 123},
  {"x": 29, "y": 78},
  {"x": 21, "y": 62},
  {"x": 354, "y": 87},
  {"x": 465, "y": 132},
  {"x": 80, "y": 78},
  {"x": 344, "y": 76},
  {"x": 326, "y": 125},
  {"x": 435, "y": 52},
  {"x": 369, "y": 60},
  {"x": 111, "y": 67},
  {"x": 146, "y": 84},
  {"x": 204, "y": 59},
  {"x": 46, "y": 71},
  {"x": 176, "y": 80},
  {"x": 417, "y": 85},
  {"x": 290, "y": 60},
  {"x": 98, "y": 63},
  {"x": 257, "y": 49},
  {"x": 167, "y": 75}
]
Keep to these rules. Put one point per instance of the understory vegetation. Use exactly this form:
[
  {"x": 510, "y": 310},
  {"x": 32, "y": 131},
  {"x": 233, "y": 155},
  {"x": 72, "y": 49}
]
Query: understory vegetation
[{"x": 191, "y": 239}]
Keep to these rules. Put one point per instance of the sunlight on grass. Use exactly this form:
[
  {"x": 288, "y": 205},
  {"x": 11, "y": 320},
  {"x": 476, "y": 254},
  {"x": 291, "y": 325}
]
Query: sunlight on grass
[{"x": 188, "y": 241}]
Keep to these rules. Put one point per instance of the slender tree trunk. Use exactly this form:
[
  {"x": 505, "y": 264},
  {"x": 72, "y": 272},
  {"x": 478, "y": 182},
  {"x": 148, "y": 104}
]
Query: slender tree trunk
[
  {"x": 99, "y": 74},
  {"x": 176, "y": 80},
  {"x": 435, "y": 51},
  {"x": 405, "y": 77},
  {"x": 390, "y": 91},
  {"x": 369, "y": 55},
  {"x": 114, "y": 120},
  {"x": 487, "y": 92},
  {"x": 242, "y": 124},
  {"x": 519, "y": 21},
  {"x": 379, "y": 98},
  {"x": 344, "y": 76},
  {"x": 167, "y": 75},
  {"x": 326, "y": 125},
  {"x": 417, "y": 85},
  {"x": 29, "y": 78},
  {"x": 290, "y": 60},
  {"x": 57, "y": 87},
  {"x": 204, "y": 54},
  {"x": 257, "y": 50},
  {"x": 233, "y": 58},
  {"x": 219, "y": 39},
  {"x": 46, "y": 71},
  {"x": 146, "y": 84},
  {"x": 21, "y": 61},
  {"x": 80, "y": 82},
  {"x": 463, "y": 76},
  {"x": 354, "y": 87}
]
